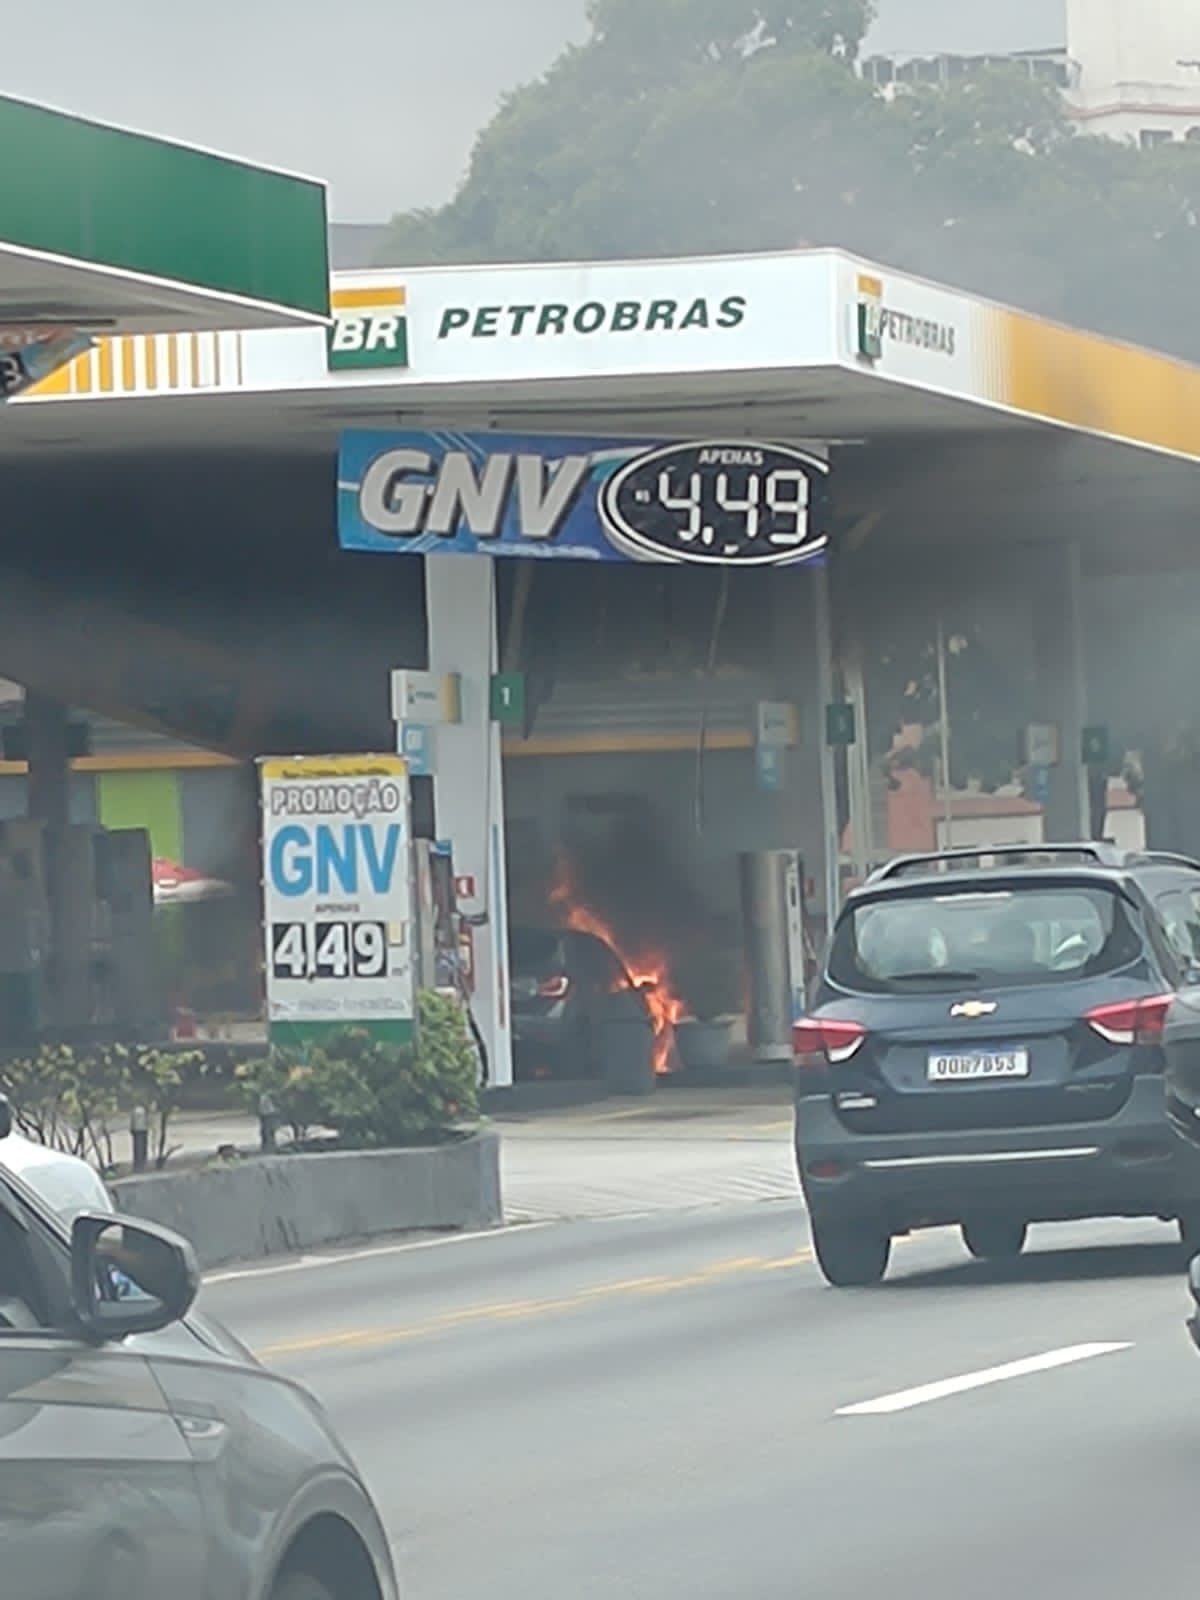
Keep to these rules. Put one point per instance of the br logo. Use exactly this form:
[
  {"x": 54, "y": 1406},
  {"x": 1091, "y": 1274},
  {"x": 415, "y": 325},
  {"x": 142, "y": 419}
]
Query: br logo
[{"x": 370, "y": 328}]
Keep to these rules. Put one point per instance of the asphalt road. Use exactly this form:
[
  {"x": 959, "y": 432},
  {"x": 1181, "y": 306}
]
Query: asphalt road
[{"x": 657, "y": 1407}]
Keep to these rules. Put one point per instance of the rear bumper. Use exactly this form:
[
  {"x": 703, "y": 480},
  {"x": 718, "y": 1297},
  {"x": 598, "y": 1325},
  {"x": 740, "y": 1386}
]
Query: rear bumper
[{"x": 1127, "y": 1165}]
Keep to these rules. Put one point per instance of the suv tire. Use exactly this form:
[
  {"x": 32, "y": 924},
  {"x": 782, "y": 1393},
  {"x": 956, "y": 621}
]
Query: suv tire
[
  {"x": 851, "y": 1255},
  {"x": 995, "y": 1238}
]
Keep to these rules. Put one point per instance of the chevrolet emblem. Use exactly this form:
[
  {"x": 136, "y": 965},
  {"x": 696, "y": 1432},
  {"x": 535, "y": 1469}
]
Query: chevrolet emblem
[{"x": 971, "y": 1009}]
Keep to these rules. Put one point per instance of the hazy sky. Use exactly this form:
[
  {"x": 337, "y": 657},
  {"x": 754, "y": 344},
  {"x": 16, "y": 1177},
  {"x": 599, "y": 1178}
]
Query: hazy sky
[
  {"x": 381, "y": 97},
  {"x": 960, "y": 27}
]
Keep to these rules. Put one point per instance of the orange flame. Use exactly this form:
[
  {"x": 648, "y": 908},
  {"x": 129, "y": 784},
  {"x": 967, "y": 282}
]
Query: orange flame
[{"x": 645, "y": 967}]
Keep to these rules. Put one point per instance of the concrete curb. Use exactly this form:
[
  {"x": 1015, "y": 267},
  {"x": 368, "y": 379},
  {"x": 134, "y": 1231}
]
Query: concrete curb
[
  {"x": 274, "y": 1205},
  {"x": 557, "y": 1094},
  {"x": 549, "y": 1094}
]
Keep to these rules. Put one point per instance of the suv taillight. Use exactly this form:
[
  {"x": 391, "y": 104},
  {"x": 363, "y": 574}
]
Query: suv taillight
[
  {"x": 1131, "y": 1021},
  {"x": 822, "y": 1041}
]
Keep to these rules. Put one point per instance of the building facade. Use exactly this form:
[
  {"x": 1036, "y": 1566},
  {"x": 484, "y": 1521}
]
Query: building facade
[
  {"x": 1137, "y": 68},
  {"x": 1128, "y": 69}
]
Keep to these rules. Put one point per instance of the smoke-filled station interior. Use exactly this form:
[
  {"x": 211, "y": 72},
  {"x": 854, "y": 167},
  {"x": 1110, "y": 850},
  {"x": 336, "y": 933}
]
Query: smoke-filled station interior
[
  {"x": 109, "y": 241},
  {"x": 666, "y": 575}
]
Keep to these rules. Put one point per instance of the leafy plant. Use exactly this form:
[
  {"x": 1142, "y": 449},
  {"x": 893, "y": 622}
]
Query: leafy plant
[
  {"x": 159, "y": 1080},
  {"x": 282, "y": 1085},
  {"x": 74, "y": 1098},
  {"x": 369, "y": 1091},
  {"x": 66, "y": 1100}
]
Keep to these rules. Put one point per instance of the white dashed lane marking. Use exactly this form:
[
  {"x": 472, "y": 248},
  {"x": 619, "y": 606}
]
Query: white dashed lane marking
[{"x": 905, "y": 1399}]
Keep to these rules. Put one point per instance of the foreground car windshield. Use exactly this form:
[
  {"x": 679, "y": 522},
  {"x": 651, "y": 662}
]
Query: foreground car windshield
[{"x": 1006, "y": 936}]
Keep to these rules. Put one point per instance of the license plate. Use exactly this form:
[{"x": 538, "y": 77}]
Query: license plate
[{"x": 962, "y": 1067}]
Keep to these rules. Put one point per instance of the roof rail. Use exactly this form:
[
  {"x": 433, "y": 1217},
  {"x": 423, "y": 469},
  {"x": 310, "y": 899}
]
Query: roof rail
[
  {"x": 1092, "y": 852},
  {"x": 1163, "y": 858}
]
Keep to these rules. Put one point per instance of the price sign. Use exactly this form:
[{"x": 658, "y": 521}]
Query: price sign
[
  {"x": 303, "y": 950},
  {"x": 710, "y": 502},
  {"x": 337, "y": 892},
  {"x": 719, "y": 504}
]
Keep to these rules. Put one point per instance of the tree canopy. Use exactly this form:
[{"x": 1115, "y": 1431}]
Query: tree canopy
[
  {"x": 689, "y": 126},
  {"x": 697, "y": 126}
]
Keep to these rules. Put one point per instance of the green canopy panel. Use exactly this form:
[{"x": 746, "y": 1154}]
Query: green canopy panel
[{"x": 104, "y": 231}]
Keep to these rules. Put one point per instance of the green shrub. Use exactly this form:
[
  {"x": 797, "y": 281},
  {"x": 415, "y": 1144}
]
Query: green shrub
[
  {"x": 75, "y": 1097},
  {"x": 368, "y": 1091},
  {"x": 283, "y": 1085}
]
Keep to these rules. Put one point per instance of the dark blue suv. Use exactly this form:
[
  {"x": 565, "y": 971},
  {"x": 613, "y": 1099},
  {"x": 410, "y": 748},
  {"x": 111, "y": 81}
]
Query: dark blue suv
[{"x": 984, "y": 1048}]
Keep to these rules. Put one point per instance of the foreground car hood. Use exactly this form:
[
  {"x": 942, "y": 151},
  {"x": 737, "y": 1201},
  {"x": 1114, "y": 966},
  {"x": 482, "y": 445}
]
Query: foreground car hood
[{"x": 196, "y": 1338}]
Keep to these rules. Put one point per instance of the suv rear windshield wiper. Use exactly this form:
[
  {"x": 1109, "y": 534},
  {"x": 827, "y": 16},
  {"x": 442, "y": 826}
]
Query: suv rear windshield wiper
[{"x": 934, "y": 974}]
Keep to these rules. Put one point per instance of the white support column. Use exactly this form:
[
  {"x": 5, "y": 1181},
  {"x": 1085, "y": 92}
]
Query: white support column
[
  {"x": 468, "y": 785},
  {"x": 862, "y": 823},
  {"x": 831, "y": 839},
  {"x": 1076, "y": 719},
  {"x": 1061, "y": 660}
]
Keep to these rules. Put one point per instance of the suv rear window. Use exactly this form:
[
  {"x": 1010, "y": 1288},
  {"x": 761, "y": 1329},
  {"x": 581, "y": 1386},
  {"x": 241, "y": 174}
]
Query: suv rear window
[{"x": 1007, "y": 935}]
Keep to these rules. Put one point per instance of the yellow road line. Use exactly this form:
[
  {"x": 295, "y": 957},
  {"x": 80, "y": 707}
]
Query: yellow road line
[{"x": 529, "y": 1310}]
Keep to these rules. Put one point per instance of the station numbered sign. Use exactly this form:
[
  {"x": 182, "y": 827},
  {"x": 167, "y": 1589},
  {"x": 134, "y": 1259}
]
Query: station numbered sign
[
  {"x": 507, "y": 699},
  {"x": 841, "y": 725}
]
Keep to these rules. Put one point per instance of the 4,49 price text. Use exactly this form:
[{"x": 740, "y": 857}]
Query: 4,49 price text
[{"x": 306, "y": 950}]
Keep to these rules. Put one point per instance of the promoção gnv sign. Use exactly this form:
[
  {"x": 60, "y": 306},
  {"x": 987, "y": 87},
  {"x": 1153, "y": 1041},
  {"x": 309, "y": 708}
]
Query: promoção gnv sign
[
  {"x": 714, "y": 502},
  {"x": 336, "y": 889}
]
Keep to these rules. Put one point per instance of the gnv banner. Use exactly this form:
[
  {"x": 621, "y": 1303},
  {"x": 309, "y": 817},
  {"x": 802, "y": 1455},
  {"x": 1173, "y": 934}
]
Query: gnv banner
[
  {"x": 337, "y": 891},
  {"x": 715, "y": 502}
]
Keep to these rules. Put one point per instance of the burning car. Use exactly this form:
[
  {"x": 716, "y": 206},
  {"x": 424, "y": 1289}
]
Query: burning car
[{"x": 577, "y": 1009}]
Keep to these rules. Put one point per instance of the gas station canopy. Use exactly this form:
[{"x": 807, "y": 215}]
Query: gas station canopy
[
  {"x": 948, "y": 417},
  {"x": 935, "y": 419},
  {"x": 105, "y": 232}
]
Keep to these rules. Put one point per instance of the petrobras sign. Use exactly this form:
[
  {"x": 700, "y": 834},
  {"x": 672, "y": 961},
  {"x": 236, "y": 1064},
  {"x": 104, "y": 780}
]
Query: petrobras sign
[
  {"x": 713, "y": 502},
  {"x": 337, "y": 890}
]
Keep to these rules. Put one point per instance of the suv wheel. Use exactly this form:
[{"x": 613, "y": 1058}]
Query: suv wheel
[
  {"x": 851, "y": 1256},
  {"x": 995, "y": 1238}
]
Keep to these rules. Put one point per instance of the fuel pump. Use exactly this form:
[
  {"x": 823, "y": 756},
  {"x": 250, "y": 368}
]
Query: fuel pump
[{"x": 778, "y": 957}]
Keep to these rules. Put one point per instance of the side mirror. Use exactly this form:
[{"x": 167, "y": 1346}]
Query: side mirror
[
  {"x": 1193, "y": 1275},
  {"x": 129, "y": 1276}
]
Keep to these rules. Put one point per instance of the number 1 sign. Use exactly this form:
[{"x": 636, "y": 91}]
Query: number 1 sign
[{"x": 337, "y": 895}]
